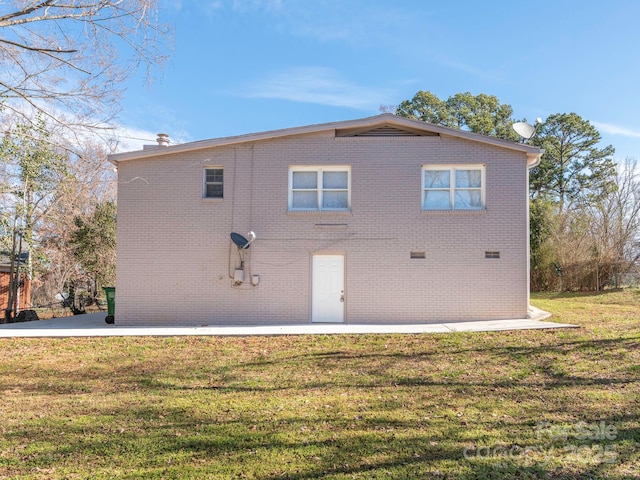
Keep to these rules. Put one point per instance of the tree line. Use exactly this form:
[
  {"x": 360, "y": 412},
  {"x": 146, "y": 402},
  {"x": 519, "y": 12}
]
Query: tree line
[{"x": 584, "y": 206}]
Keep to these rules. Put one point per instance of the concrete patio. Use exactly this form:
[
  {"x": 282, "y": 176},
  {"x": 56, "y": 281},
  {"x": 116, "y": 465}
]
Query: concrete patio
[{"x": 93, "y": 325}]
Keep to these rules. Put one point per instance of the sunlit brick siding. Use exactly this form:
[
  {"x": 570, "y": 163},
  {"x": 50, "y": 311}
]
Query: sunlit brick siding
[
  {"x": 175, "y": 257},
  {"x": 24, "y": 293}
]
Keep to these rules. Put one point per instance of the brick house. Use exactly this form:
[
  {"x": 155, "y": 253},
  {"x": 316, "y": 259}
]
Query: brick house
[
  {"x": 375, "y": 220},
  {"x": 24, "y": 291}
]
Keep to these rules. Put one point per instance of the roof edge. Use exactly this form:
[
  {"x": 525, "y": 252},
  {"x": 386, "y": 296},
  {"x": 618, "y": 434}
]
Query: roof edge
[{"x": 376, "y": 120}]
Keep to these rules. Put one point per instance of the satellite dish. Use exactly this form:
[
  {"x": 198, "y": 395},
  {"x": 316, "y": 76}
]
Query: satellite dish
[
  {"x": 240, "y": 241},
  {"x": 524, "y": 129},
  {"x": 243, "y": 244}
]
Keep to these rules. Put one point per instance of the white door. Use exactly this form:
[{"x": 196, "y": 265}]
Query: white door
[{"x": 327, "y": 296}]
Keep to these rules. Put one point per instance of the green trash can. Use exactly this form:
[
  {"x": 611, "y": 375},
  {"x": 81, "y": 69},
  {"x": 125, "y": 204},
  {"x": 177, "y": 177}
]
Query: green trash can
[{"x": 110, "y": 292}]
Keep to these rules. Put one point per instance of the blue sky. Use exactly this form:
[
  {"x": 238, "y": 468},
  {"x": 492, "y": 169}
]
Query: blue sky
[{"x": 242, "y": 66}]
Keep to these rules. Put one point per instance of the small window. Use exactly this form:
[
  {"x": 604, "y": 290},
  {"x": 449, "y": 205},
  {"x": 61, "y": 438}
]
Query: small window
[
  {"x": 459, "y": 187},
  {"x": 491, "y": 254},
  {"x": 319, "y": 188},
  {"x": 417, "y": 255},
  {"x": 213, "y": 182}
]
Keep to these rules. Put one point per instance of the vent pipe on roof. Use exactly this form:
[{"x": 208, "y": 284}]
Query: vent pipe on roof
[{"x": 163, "y": 140}]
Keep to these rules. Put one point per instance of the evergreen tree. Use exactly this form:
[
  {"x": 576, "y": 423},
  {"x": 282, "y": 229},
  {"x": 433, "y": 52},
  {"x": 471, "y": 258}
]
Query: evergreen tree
[{"x": 573, "y": 169}]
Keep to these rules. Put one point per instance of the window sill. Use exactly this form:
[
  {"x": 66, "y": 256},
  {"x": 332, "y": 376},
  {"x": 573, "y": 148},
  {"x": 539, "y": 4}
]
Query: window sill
[
  {"x": 212, "y": 200},
  {"x": 481, "y": 211},
  {"x": 320, "y": 212}
]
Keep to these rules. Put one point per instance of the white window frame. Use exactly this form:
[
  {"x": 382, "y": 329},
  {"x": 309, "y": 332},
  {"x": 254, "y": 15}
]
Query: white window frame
[
  {"x": 205, "y": 183},
  {"x": 320, "y": 191},
  {"x": 452, "y": 186}
]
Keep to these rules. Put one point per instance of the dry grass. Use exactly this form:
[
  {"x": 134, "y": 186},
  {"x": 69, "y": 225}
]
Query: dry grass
[{"x": 527, "y": 404}]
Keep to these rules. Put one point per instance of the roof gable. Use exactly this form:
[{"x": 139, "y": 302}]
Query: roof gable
[
  {"x": 385, "y": 130},
  {"x": 383, "y": 125}
]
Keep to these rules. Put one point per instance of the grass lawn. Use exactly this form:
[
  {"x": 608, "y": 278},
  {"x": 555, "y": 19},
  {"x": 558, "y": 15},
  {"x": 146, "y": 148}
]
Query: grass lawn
[{"x": 526, "y": 404}]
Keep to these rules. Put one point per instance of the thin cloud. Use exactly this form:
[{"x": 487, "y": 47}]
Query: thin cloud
[
  {"x": 616, "y": 130},
  {"x": 318, "y": 85},
  {"x": 357, "y": 22},
  {"x": 256, "y": 4},
  {"x": 131, "y": 139},
  {"x": 469, "y": 69},
  {"x": 239, "y": 6}
]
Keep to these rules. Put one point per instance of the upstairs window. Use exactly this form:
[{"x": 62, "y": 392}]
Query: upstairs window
[
  {"x": 460, "y": 187},
  {"x": 213, "y": 182},
  {"x": 319, "y": 188}
]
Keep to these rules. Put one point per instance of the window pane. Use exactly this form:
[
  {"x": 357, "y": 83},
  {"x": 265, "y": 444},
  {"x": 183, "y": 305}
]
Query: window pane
[
  {"x": 437, "y": 200},
  {"x": 436, "y": 179},
  {"x": 214, "y": 191},
  {"x": 214, "y": 175},
  {"x": 335, "y": 200},
  {"x": 305, "y": 180},
  {"x": 468, "y": 178},
  {"x": 305, "y": 200},
  {"x": 468, "y": 199},
  {"x": 335, "y": 180}
]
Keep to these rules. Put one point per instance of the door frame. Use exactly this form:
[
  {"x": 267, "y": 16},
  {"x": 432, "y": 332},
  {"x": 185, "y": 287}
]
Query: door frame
[{"x": 344, "y": 282}]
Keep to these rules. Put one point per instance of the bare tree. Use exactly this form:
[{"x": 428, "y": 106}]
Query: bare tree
[
  {"x": 34, "y": 173},
  {"x": 615, "y": 220},
  {"x": 66, "y": 59},
  {"x": 594, "y": 244},
  {"x": 62, "y": 187}
]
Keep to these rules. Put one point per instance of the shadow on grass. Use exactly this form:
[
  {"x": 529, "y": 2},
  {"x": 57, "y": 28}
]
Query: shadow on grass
[
  {"x": 233, "y": 447},
  {"x": 543, "y": 364},
  {"x": 516, "y": 352},
  {"x": 227, "y": 424}
]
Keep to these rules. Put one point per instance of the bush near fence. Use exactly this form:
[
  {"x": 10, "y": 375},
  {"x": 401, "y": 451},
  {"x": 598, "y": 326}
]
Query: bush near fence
[{"x": 584, "y": 276}]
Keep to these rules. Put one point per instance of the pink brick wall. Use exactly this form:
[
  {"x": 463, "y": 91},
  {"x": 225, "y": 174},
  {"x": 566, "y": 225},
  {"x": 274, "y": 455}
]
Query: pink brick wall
[{"x": 174, "y": 252}]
